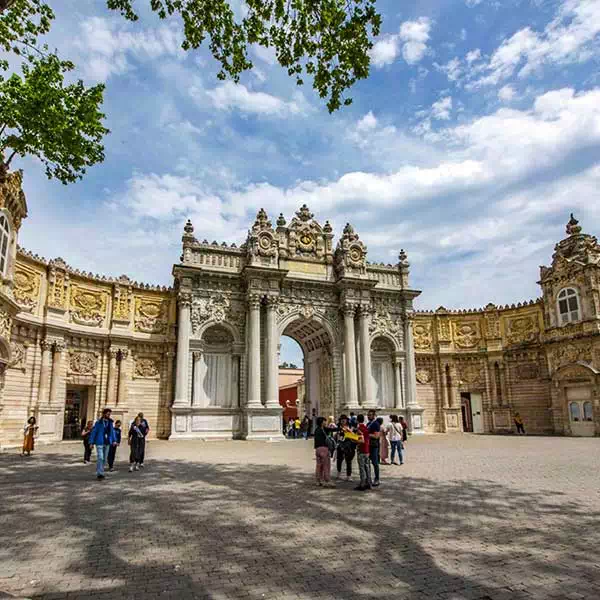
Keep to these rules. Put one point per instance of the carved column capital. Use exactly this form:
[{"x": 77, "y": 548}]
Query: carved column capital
[
  {"x": 254, "y": 301},
  {"x": 59, "y": 346},
  {"x": 184, "y": 299},
  {"x": 113, "y": 352},
  {"x": 123, "y": 353},
  {"x": 272, "y": 302},
  {"x": 46, "y": 345},
  {"x": 197, "y": 354},
  {"x": 349, "y": 310}
]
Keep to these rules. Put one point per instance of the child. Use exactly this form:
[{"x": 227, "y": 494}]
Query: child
[
  {"x": 112, "y": 453},
  {"x": 87, "y": 448}
]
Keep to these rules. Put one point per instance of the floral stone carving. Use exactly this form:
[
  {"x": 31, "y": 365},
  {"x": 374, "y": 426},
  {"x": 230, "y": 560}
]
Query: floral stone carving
[
  {"x": 150, "y": 315},
  {"x": 88, "y": 307},
  {"x": 214, "y": 309},
  {"x": 423, "y": 376},
  {"x": 470, "y": 374},
  {"x": 382, "y": 322},
  {"x": 146, "y": 367},
  {"x": 5, "y": 323},
  {"x": 422, "y": 335},
  {"x": 522, "y": 330},
  {"x": 26, "y": 288},
  {"x": 466, "y": 334},
  {"x": 18, "y": 354},
  {"x": 83, "y": 363}
]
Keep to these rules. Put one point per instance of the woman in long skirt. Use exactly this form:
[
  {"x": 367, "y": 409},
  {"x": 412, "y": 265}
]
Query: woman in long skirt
[
  {"x": 29, "y": 432},
  {"x": 136, "y": 445},
  {"x": 384, "y": 451}
]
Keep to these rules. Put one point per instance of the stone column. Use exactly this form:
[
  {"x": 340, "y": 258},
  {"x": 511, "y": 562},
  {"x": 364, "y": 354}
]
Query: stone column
[
  {"x": 44, "y": 371},
  {"x": 254, "y": 399},
  {"x": 272, "y": 355},
  {"x": 411, "y": 382},
  {"x": 112, "y": 377},
  {"x": 183, "y": 350},
  {"x": 122, "y": 398},
  {"x": 365, "y": 358},
  {"x": 56, "y": 372},
  {"x": 351, "y": 383},
  {"x": 169, "y": 378},
  {"x": 397, "y": 383}
]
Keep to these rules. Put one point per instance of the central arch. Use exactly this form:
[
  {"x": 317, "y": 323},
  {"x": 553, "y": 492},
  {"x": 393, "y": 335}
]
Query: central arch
[{"x": 315, "y": 337}]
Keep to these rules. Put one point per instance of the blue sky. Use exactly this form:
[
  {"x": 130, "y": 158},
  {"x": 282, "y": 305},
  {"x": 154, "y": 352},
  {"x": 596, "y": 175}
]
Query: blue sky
[{"x": 476, "y": 135}]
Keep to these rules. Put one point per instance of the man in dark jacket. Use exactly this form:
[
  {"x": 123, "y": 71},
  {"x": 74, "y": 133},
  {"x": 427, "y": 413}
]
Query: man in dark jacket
[{"x": 103, "y": 437}]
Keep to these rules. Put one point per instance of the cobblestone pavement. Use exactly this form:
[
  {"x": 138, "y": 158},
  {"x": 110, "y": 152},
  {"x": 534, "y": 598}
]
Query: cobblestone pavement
[{"x": 468, "y": 517}]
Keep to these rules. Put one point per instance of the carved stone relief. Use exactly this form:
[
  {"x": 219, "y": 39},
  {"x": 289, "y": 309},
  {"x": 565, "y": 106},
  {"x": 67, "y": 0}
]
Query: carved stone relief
[
  {"x": 570, "y": 353},
  {"x": 384, "y": 323},
  {"x": 5, "y": 323},
  {"x": 526, "y": 371},
  {"x": 88, "y": 307},
  {"x": 466, "y": 334},
  {"x": 146, "y": 367},
  {"x": 421, "y": 335},
  {"x": 423, "y": 376},
  {"x": 214, "y": 308},
  {"x": 575, "y": 372},
  {"x": 83, "y": 363},
  {"x": 18, "y": 354},
  {"x": 522, "y": 330},
  {"x": 151, "y": 314},
  {"x": 444, "y": 330},
  {"x": 470, "y": 373},
  {"x": 26, "y": 288}
]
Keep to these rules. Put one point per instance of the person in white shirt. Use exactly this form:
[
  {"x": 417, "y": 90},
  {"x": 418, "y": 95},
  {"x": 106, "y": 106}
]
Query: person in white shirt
[{"x": 394, "y": 434}]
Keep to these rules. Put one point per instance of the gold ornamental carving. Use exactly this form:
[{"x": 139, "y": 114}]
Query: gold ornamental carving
[
  {"x": 470, "y": 374},
  {"x": 146, "y": 367},
  {"x": 423, "y": 376},
  {"x": 88, "y": 307},
  {"x": 18, "y": 356},
  {"x": 444, "y": 330},
  {"x": 26, "y": 288},
  {"x": 5, "y": 323},
  {"x": 58, "y": 281},
  {"x": 83, "y": 363},
  {"x": 122, "y": 303},
  {"x": 529, "y": 370},
  {"x": 575, "y": 372},
  {"x": 466, "y": 334},
  {"x": 151, "y": 315},
  {"x": 570, "y": 353},
  {"x": 522, "y": 330},
  {"x": 422, "y": 335}
]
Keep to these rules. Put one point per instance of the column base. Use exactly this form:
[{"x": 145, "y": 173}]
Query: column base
[
  {"x": 414, "y": 418},
  {"x": 452, "y": 420},
  {"x": 262, "y": 424}
]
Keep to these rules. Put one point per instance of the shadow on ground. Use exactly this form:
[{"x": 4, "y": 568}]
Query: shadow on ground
[{"x": 195, "y": 530}]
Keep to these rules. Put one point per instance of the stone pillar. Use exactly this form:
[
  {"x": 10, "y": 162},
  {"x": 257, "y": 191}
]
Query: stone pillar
[
  {"x": 365, "y": 358},
  {"x": 112, "y": 377},
  {"x": 351, "y": 382},
  {"x": 272, "y": 355},
  {"x": 122, "y": 397},
  {"x": 411, "y": 382},
  {"x": 254, "y": 399},
  {"x": 398, "y": 403},
  {"x": 183, "y": 349},
  {"x": 56, "y": 372},
  {"x": 44, "y": 372}
]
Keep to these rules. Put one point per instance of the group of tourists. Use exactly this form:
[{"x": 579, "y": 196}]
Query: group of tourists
[
  {"x": 371, "y": 442},
  {"x": 105, "y": 437}
]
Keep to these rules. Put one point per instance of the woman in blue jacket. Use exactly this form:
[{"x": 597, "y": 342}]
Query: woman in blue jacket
[{"x": 103, "y": 437}]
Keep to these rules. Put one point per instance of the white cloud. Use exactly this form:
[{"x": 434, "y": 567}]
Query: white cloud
[
  {"x": 232, "y": 96},
  {"x": 568, "y": 38},
  {"x": 452, "y": 69},
  {"x": 440, "y": 110},
  {"x": 473, "y": 3},
  {"x": 411, "y": 41},
  {"x": 473, "y": 55},
  {"x": 414, "y": 35},
  {"x": 506, "y": 94},
  {"x": 107, "y": 46},
  {"x": 367, "y": 123}
]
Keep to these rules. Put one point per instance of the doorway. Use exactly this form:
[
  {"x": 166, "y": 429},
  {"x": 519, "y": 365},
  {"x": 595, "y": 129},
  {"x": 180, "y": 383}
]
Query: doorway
[
  {"x": 471, "y": 409},
  {"x": 465, "y": 408},
  {"x": 77, "y": 410},
  {"x": 581, "y": 411}
]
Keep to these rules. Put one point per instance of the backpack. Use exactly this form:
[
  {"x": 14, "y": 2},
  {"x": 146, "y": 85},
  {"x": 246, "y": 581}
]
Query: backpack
[{"x": 331, "y": 444}]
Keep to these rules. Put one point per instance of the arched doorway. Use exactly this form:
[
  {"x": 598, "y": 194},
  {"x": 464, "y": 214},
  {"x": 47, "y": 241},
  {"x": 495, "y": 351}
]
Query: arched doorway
[
  {"x": 382, "y": 369},
  {"x": 315, "y": 340}
]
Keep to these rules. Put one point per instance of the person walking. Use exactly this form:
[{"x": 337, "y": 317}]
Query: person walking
[
  {"x": 346, "y": 448},
  {"x": 112, "y": 452},
  {"x": 103, "y": 437},
  {"x": 305, "y": 427},
  {"x": 519, "y": 423},
  {"x": 30, "y": 430},
  {"x": 394, "y": 434},
  {"x": 384, "y": 448},
  {"x": 374, "y": 434},
  {"x": 145, "y": 429},
  {"x": 363, "y": 455},
  {"x": 297, "y": 425},
  {"x": 85, "y": 437},
  {"x": 323, "y": 467},
  {"x": 135, "y": 439},
  {"x": 404, "y": 426}
]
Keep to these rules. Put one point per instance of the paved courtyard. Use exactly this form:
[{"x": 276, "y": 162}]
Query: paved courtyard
[{"x": 468, "y": 517}]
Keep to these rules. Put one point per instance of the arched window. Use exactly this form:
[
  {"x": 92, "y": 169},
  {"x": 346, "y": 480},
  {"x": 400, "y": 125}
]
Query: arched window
[
  {"x": 574, "y": 410},
  {"x": 568, "y": 306},
  {"x": 587, "y": 411},
  {"x": 4, "y": 243}
]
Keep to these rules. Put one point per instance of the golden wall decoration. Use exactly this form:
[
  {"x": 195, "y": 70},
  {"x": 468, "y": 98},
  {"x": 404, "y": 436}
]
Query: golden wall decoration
[
  {"x": 470, "y": 374},
  {"x": 466, "y": 333},
  {"x": 88, "y": 307},
  {"x": 122, "y": 304},
  {"x": 26, "y": 288},
  {"x": 422, "y": 335},
  {"x": 522, "y": 330},
  {"x": 151, "y": 314},
  {"x": 5, "y": 323},
  {"x": 18, "y": 354},
  {"x": 423, "y": 376},
  {"x": 444, "y": 330},
  {"x": 57, "y": 289},
  {"x": 529, "y": 370}
]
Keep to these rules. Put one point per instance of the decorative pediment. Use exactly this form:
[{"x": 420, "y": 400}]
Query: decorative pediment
[
  {"x": 304, "y": 238},
  {"x": 261, "y": 244},
  {"x": 350, "y": 254}
]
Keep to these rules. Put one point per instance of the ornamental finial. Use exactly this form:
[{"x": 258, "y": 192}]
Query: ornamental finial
[{"x": 573, "y": 227}]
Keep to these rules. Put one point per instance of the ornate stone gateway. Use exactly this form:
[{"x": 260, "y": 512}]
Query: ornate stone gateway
[{"x": 352, "y": 319}]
